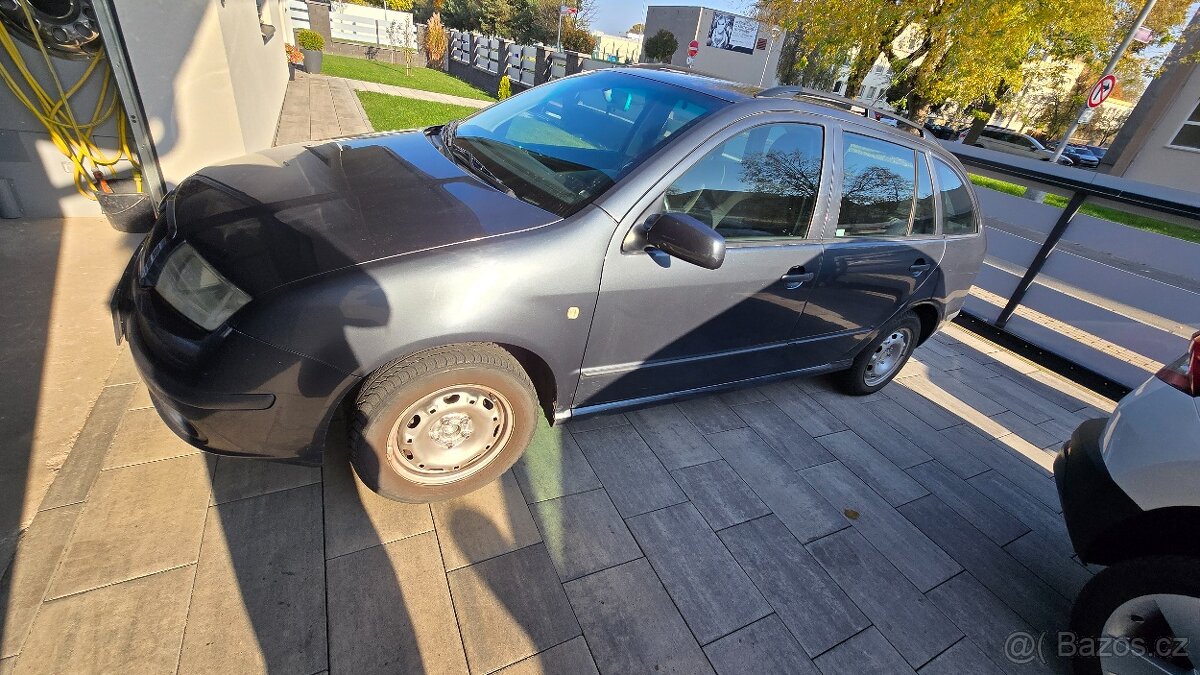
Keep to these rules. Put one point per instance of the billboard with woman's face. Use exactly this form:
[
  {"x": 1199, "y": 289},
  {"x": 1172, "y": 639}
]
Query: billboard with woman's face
[{"x": 733, "y": 33}]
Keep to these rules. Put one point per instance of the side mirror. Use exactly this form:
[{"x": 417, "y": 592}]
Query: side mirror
[{"x": 682, "y": 236}]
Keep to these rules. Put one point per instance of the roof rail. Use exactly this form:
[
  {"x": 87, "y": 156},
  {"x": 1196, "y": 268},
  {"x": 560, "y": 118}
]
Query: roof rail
[{"x": 843, "y": 103}]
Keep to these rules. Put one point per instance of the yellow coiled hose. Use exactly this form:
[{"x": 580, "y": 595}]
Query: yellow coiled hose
[{"x": 72, "y": 138}]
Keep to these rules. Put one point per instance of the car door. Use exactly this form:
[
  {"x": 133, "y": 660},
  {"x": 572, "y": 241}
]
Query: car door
[
  {"x": 662, "y": 325},
  {"x": 883, "y": 248}
]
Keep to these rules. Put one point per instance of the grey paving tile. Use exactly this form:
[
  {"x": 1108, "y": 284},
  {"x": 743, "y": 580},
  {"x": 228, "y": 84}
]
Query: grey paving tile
[
  {"x": 584, "y": 533},
  {"x": 390, "y": 611},
  {"x": 710, "y": 414},
  {"x": 1017, "y": 399},
  {"x": 553, "y": 466},
  {"x": 8, "y": 665},
  {"x": 923, "y": 562},
  {"x": 744, "y": 395},
  {"x": 964, "y": 464},
  {"x": 720, "y": 495},
  {"x": 1059, "y": 431},
  {"x": 784, "y": 436},
  {"x": 969, "y": 503},
  {"x": 593, "y": 422},
  {"x": 952, "y": 395},
  {"x": 238, "y": 478},
  {"x": 798, "y": 504},
  {"x": 872, "y": 467},
  {"x": 631, "y": 473},
  {"x": 867, "y": 653},
  {"x": 510, "y": 607},
  {"x": 631, "y": 624},
  {"x": 1027, "y": 430},
  {"x": 79, "y": 471},
  {"x": 141, "y": 398},
  {"x": 674, "y": 439},
  {"x": 1050, "y": 563},
  {"x": 927, "y": 411},
  {"x": 964, "y": 658},
  {"x": 483, "y": 524},
  {"x": 985, "y": 619},
  {"x": 803, "y": 409},
  {"x": 133, "y": 627},
  {"x": 763, "y": 648},
  {"x": 858, "y": 416},
  {"x": 22, "y": 588},
  {"x": 814, "y": 608},
  {"x": 1035, "y": 481},
  {"x": 141, "y": 437},
  {"x": 259, "y": 555},
  {"x": 1063, "y": 393},
  {"x": 137, "y": 520},
  {"x": 712, "y": 592},
  {"x": 356, "y": 518},
  {"x": 911, "y": 624},
  {"x": 1027, "y": 595},
  {"x": 570, "y": 658},
  {"x": 1033, "y": 513}
]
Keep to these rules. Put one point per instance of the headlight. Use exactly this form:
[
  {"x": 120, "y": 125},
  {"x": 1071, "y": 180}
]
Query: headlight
[{"x": 196, "y": 290}]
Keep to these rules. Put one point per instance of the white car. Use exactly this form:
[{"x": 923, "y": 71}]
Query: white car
[
  {"x": 1130, "y": 489},
  {"x": 1014, "y": 143}
]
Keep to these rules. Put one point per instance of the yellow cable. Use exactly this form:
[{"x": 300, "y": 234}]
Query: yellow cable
[{"x": 72, "y": 138}]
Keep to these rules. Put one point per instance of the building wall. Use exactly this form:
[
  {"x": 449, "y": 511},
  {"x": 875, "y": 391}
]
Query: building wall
[
  {"x": 212, "y": 89},
  {"x": 692, "y": 23}
]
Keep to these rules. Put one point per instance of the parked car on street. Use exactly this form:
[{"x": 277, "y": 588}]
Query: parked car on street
[
  {"x": 599, "y": 242},
  {"x": 1079, "y": 154},
  {"x": 1097, "y": 150},
  {"x": 1130, "y": 498},
  {"x": 941, "y": 131},
  {"x": 1014, "y": 143}
]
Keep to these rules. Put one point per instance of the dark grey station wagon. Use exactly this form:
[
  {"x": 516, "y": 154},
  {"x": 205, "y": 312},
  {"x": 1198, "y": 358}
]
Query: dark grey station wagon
[{"x": 604, "y": 241}]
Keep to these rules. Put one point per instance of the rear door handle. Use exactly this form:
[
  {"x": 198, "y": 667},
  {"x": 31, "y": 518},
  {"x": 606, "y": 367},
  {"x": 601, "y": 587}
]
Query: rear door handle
[
  {"x": 919, "y": 267},
  {"x": 796, "y": 277}
]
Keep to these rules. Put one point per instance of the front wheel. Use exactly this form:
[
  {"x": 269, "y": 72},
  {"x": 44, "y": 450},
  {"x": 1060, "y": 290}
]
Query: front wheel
[
  {"x": 879, "y": 362},
  {"x": 1139, "y": 616},
  {"x": 442, "y": 423}
]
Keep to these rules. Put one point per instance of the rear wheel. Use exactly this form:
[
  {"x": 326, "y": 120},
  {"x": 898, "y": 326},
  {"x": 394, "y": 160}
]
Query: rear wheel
[
  {"x": 442, "y": 423},
  {"x": 1139, "y": 616},
  {"x": 878, "y": 363}
]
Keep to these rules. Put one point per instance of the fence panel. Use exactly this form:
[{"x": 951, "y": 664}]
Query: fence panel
[
  {"x": 460, "y": 46},
  {"x": 487, "y": 54},
  {"x": 521, "y": 64},
  {"x": 298, "y": 11},
  {"x": 372, "y": 25}
]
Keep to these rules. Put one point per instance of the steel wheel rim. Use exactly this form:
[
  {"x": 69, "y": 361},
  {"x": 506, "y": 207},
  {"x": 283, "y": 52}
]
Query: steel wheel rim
[
  {"x": 1144, "y": 635},
  {"x": 887, "y": 356},
  {"x": 449, "y": 434}
]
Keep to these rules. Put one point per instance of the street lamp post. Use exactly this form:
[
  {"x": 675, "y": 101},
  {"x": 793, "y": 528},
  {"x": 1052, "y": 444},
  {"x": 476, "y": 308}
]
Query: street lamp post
[
  {"x": 774, "y": 36},
  {"x": 1108, "y": 70}
]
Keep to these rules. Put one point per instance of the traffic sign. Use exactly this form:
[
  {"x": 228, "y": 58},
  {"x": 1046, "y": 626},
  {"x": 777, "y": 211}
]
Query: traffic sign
[
  {"x": 1101, "y": 91},
  {"x": 693, "y": 48}
]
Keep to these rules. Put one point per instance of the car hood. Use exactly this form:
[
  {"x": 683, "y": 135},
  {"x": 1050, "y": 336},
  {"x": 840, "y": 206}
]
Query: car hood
[{"x": 293, "y": 212}]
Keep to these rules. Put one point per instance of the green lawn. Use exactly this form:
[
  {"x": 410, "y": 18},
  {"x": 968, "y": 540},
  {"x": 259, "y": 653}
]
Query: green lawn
[
  {"x": 1097, "y": 211},
  {"x": 388, "y": 113},
  {"x": 425, "y": 79}
]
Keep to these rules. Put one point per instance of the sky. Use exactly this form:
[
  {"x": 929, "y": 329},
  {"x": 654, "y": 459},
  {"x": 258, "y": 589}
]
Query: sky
[{"x": 616, "y": 16}]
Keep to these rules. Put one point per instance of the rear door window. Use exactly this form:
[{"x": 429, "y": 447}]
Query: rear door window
[
  {"x": 958, "y": 214},
  {"x": 878, "y": 181}
]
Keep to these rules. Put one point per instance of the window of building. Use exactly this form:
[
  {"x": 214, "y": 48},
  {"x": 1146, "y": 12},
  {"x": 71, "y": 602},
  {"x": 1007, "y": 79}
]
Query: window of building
[
  {"x": 870, "y": 92},
  {"x": 1189, "y": 133}
]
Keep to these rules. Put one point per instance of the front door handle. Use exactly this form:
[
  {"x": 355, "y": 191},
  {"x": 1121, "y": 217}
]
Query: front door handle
[
  {"x": 796, "y": 277},
  {"x": 919, "y": 267}
]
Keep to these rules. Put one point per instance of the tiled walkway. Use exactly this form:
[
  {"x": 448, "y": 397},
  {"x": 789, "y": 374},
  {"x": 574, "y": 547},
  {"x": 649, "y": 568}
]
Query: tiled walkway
[{"x": 785, "y": 527}]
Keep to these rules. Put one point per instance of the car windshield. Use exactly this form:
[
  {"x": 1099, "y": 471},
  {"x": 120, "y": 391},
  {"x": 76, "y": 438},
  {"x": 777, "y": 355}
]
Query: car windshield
[{"x": 562, "y": 144}]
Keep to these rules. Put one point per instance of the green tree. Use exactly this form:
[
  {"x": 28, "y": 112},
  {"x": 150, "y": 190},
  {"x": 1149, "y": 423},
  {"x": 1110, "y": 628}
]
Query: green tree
[
  {"x": 637, "y": 29},
  {"x": 661, "y": 46}
]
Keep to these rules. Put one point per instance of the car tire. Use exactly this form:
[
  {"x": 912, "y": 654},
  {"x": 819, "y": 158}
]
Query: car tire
[
  {"x": 441, "y": 423},
  {"x": 880, "y": 361},
  {"x": 1124, "y": 593}
]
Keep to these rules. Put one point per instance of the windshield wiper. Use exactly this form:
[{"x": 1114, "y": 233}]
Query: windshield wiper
[{"x": 478, "y": 168}]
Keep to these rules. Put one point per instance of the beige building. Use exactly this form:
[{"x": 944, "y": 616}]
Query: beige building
[
  {"x": 731, "y": 46},
  {"x": 617, "y": 48},
  {"x": 1160, "y": 142}
]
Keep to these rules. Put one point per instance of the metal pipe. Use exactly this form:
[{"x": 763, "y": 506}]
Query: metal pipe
[
  {"x": 1039, "y": 260},
  {"x": 1108, "y": 70}
]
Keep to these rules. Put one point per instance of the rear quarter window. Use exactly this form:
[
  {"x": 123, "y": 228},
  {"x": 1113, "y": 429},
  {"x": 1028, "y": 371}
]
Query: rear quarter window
[{"x": 958, "y": 213}]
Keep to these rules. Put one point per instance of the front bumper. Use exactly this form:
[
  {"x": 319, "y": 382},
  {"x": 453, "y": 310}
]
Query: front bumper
[
  {"x": 1094, "y": 506},
  {"x": 229, "y": 393}
]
